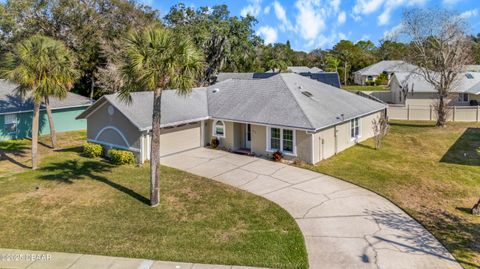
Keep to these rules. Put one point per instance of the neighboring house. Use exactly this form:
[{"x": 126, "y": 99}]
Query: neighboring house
[
  {"x": 412, "y": 89},
  {"x": 16, "y": 113},
  {"x": 330, "y": 78},
  {"x": 371, "y": 73},
  {"x": 286, "y": 112},
  {"x": 303, "y": 69}
]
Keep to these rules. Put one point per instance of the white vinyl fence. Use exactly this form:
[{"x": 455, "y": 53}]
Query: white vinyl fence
[{"x": 416, "y": 112}]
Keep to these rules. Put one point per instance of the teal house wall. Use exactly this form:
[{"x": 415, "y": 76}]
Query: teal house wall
[{"x": 64, "y": 120}]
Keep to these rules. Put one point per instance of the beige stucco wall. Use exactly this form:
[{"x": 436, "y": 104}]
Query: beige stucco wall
[
  {"x": 324, "y": 140},
  {"x": 101, "y": 119},
  {"x": 226, "y": 142}
]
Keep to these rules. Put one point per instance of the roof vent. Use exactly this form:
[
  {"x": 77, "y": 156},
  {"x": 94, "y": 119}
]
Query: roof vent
[
  {"x": 307, "y": 94},
  {"x": 216, "y": 90},
  {"x": 469, "y": 76},
  {"x": 300, "y": 87}
]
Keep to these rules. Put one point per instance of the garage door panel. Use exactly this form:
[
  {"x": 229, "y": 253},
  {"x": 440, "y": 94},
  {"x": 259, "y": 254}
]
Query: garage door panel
[{"x": 179, "y": 139}]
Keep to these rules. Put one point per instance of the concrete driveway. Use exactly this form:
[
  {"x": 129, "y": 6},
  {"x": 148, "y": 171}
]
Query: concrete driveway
[{"x": 344, "y": 226}]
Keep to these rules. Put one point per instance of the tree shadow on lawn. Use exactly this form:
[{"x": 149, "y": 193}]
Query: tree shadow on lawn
[
  {"x": 10, "y": 150},
  {"x": 465, "y": 150},
  {"x": 407, "y": 235},
  {"x": 71, "y": 170}
]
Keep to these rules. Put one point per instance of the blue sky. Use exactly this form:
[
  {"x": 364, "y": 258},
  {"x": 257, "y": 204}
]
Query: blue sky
[{"x": 310, "y": 24}]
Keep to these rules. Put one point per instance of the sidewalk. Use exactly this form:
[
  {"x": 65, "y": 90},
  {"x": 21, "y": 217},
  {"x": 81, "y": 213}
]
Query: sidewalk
[{"x": 23, "y": 259}]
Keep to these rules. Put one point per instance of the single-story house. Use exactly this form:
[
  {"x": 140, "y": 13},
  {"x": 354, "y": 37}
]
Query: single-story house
[
  {"x": 16, "y": 113},
  {"x": 410, "y": 88},
  {"x": 371, "y": 73},
  {"x": 298, "y": 116},
  {"x": 330, "y": 78}
]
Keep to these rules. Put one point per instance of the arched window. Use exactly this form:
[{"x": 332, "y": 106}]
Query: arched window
[{"x": 219, "y": 129}]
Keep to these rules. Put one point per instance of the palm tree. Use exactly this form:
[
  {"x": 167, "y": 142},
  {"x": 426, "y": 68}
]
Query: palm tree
[
  {"x": 155, "y": 59},
  {"x": 42, "y": 67}
]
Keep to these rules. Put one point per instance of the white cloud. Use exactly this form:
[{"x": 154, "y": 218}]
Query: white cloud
[
  {"x": 269, "y": 34},
  {"x": 393, "y": 32},
  {"x": 342, "y": 36},
  {"x": 310, "y": 18},
  {"x": 335, "y": 4},
  {"x": 366, "y": 7},
  {"x": 281, "y": 15},
  {"x": 342, "y": 17},
  {"x": 253, "y": 8},
  {"x": 266, "y": 10},
  {"x": 469, "y": 13}
]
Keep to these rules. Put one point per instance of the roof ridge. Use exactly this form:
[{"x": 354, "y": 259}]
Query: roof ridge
[{"x": 295, "y": 98}]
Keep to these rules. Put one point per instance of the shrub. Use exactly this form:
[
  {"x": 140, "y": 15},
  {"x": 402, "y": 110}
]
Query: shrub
[
  {"x": 277, "y": 156},
  {"x": 370, "y": 83},
  {"x": 121, "y": 157},
  {"x": 92, "y": 150},
  {"x": 214, "y": 143}
]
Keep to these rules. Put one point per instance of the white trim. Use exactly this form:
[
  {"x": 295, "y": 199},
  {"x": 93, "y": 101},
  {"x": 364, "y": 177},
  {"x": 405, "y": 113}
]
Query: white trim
[
  {"x": 313, "y": 147},
  {"x": 214, "y": 131},
  {"x": 263, "y": 124},
  {"x": 115, "y": 129},
  {"x": 202, "y": 133},
  {"x": 359, "y": 124},
  {"x": 43, "y": 109},
  {"x": 294, "y": 141},
  {"x": 113, "y": 145},
  {"x": 173, "y": 124},
  {"x": 142, "y": 148}
]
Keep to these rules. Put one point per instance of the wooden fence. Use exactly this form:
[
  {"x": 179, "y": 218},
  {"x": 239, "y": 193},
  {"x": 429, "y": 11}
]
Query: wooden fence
[{"x": 416, "y": 112}]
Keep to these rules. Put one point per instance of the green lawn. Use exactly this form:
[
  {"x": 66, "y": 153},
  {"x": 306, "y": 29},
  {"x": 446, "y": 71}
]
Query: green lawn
[
  {"x": 364, "y": 88},
  {"x": 432, "y": 173},
  {"x": 76, "y": 204}
]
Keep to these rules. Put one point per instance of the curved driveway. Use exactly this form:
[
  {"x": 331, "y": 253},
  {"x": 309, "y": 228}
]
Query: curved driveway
[{"x": 344, "y": 226}]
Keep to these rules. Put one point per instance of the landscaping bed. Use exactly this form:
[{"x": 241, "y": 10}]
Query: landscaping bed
[
  {"x": 83, "y": 205},
  {"x": 432, "y": 173}
]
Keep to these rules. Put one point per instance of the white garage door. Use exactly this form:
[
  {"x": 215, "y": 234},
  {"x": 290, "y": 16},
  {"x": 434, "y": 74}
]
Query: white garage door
[{"x": 178, "y": 139}]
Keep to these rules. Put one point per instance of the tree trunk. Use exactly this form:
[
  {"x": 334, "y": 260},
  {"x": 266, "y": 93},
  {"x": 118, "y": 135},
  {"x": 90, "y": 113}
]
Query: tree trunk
[
  {"x": 345, "y": 73},
  {"x": 53, "y": 134},
  {"x": 92, "y": 86},
  {"x": 155, "y": 149},
  {"x": 36, "y": 112},
  {"x": 441, "y": 112}
]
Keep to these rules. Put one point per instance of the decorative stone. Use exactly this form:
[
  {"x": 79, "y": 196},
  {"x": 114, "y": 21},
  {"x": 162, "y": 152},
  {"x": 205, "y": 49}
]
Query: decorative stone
[{"x": 476, "y": 208}]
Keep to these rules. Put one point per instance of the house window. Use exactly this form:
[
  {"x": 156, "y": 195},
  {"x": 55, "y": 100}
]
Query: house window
[
  {"x": 287, "y": 140},
  {"x": 282, "y": 140},
  {"x": 463, "y": 98},
  {"x": 355, "y": 128},
  {"x": 10, "y": 123},
  {"x": 219, "y": 129},
  {"x": 369, "y": 78},
  {"x": 274, "y": 139}
]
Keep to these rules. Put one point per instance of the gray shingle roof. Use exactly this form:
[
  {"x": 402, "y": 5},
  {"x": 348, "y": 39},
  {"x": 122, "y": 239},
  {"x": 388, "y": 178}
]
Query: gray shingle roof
[
  {"x": 386, "y": 66},
  {"x": 330, "y": 78},
  {"x": 176, "y": 109},
  {"x": 10, "y": 102},
  {"x": 282, "y": 100}
]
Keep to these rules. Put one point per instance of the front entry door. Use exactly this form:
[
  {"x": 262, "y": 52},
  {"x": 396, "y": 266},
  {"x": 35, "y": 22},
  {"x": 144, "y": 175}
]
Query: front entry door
[{"x": 248, "y": 136}]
